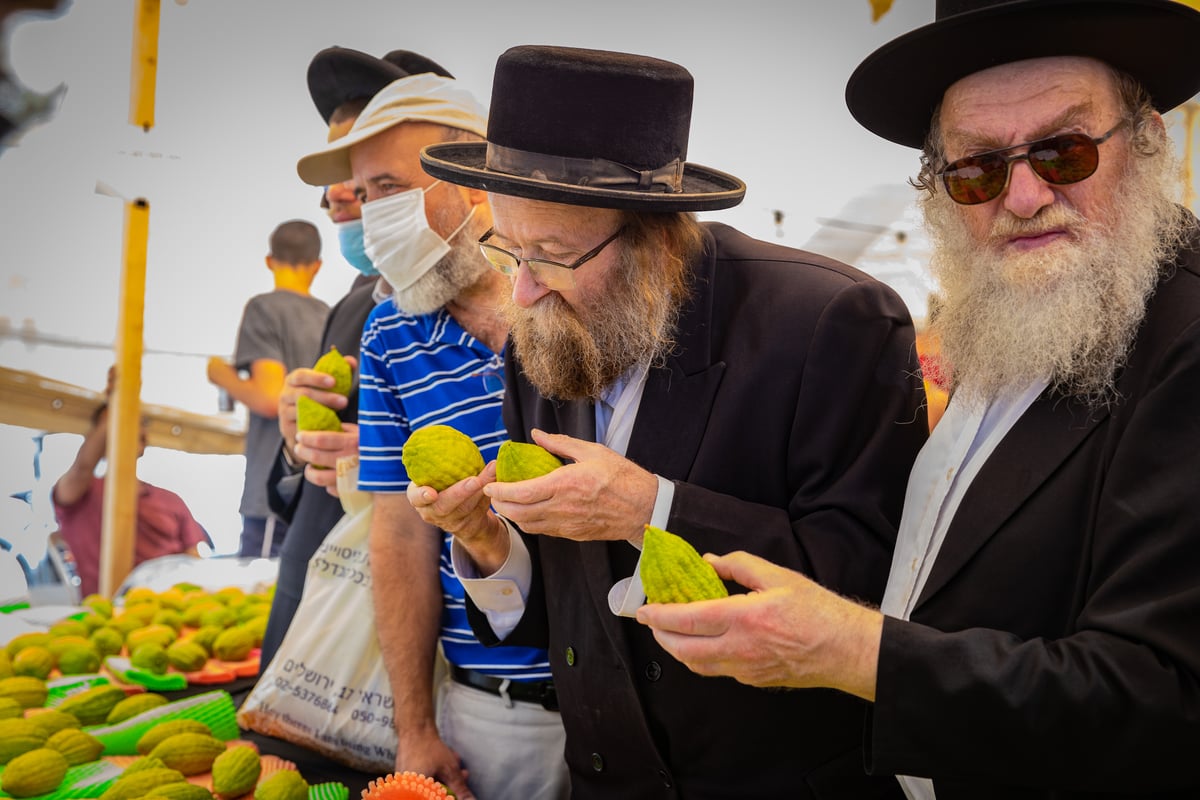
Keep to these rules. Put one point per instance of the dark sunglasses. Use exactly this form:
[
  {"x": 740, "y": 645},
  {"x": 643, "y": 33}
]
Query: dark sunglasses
[{"x": 1063, "y": 159}]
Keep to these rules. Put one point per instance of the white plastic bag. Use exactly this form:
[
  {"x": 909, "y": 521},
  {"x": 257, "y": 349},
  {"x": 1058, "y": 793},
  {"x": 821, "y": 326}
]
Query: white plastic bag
[{"x": 327, "y": 689}]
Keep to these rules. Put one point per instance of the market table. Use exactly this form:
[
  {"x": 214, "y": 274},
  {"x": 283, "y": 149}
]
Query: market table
[{"x": 315, "y": 767}]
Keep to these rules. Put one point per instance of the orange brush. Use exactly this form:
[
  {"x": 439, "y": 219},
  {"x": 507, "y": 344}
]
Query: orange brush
[{"x": 405, "y": 786}]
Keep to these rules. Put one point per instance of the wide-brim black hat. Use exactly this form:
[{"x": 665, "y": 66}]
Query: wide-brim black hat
[
  {"x": 337, "y": 75},
  {"x": 589, "y": 128},
  {"x": 895, "y": 90}
]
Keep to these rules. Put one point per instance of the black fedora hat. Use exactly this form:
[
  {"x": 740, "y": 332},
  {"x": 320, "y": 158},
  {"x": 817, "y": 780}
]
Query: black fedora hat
[
  {"x": 895, "y": 90},
  {"x": 337, "y": 75},
  {"x": 590, "y": 128}
]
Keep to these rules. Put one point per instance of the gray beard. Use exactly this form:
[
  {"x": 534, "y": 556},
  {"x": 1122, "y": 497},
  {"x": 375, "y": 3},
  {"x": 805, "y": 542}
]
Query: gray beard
[
  {"x": 459, "y": 269},
  {"x": 1067, "y": 313}
]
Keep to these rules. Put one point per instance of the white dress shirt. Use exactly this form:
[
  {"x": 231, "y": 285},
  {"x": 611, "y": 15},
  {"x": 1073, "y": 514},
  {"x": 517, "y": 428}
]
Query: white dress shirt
[{"x": 957, "y": 449}]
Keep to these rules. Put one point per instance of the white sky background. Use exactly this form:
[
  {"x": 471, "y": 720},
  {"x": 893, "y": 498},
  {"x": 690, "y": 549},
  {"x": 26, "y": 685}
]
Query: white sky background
[{"x": 233, "y": 115}]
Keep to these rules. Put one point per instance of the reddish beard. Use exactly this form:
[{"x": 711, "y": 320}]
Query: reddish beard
[{"x": 570, "y": 353}]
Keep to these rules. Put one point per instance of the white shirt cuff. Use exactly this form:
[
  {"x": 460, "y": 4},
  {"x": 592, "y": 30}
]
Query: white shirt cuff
[
  {"x": 502, "y": 595},
  {"x": 627, "y": 595}
]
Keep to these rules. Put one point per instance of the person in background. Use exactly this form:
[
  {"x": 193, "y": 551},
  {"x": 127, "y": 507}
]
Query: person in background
[
  {"x": 280, "y": 330},
  {"x": 431, "y": 354},
  {"x": 165, "y": 526},
  {"x": 340, "y": 81},
  {"x": 728, "y": 390},
  {"x": 1040, "y": 632}
]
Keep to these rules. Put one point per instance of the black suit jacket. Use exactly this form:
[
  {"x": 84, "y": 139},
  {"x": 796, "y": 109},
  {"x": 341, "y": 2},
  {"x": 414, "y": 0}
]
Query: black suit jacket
[
  {"x": 1057, "y": 641},
  {"x": 788, "y": 419}
]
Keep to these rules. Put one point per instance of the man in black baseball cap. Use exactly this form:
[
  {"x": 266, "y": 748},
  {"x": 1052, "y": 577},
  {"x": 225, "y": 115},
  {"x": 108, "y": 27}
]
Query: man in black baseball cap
[
  {"x": 1038, "y": 636},
  {"x": 734, "y": 392},
  {"x": 341, "y": 82}
]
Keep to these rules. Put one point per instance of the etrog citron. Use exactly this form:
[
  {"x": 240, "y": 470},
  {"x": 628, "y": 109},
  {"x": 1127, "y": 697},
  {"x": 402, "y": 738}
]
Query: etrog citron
[
  {"x": 312, "y": 416},
  {"x": 518, "y": 461},
  {"x": 440, "y": 456},
  {"x": 334, "y": 363},
  {"x": 152, "y": 657},
  {"x": 673, "y": 572},
  {"x": 37, "y": 772}
]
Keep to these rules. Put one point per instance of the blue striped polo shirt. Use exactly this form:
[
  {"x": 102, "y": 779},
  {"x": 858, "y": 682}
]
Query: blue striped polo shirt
[{"x": 426, "y": 370}]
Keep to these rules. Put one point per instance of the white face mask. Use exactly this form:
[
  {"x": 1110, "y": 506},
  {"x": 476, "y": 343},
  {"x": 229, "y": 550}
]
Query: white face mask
[{"x": 397, "y": 237}]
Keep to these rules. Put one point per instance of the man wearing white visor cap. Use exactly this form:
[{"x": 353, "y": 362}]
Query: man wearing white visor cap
[{"x": 433, "y": 354}]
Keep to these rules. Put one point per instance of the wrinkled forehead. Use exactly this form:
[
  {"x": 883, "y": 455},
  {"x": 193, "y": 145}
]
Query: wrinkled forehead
[{"x": 1032, "y": 92}]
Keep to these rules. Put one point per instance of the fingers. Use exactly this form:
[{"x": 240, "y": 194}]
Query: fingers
[
  {"x": 534, "y": 490},
  {"x": 315, "y": 385},
  {"x": 303, "y": 376},
  {"x": 323, "y": 477},
  {"x": 753, "y": 572},
  {"x": 456, "y": 780},
  {"x": 563, "y": 446},
  {"x": 448, "y": 508},
  {"x": 324, "y": 448},
  {"x": 420, "y": 496},
  {"x": 706, "y": 618}
]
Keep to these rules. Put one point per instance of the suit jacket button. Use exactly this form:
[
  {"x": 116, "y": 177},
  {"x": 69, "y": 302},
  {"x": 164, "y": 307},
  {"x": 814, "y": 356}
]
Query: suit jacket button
[
  {"x": 653, "y": 671},
  {"x": 666, "y": 778},
  {"x": 570, "y": 656},
  {"x": 597, "y": 762}
]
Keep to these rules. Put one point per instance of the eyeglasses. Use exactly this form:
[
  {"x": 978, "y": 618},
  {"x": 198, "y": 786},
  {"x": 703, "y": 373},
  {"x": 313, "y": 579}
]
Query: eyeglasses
[
  {"x": 551, "y": 274},
  {"x": 1067, "y": 158}
]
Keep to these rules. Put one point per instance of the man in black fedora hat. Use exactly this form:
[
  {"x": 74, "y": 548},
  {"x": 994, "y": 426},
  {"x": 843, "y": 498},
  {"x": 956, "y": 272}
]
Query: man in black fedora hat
[
  {"x": 1039, "y": 633},
  {"x": 734, "y": 392}
]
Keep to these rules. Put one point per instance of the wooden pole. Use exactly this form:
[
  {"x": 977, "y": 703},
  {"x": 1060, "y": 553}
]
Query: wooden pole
[
  {"x": 1189, "y": 110},
  {"x": 144, "y": 68},
  {"x": 119, "y": 532}
]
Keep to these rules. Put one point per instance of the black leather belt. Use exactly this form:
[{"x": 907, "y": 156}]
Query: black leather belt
[{"x": 540, "y": 692}]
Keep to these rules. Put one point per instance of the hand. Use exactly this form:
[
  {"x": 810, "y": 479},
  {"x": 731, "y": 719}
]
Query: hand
[
  {"x": 463, "y": 510},
  {"x": 316, "y": 386},
  {"x": 321, "y": 450},
  {"x": 219, "y": 369},
  {"x": 789, "y": 631},
  {"x": 423, "y": 752},
  {"x": 601, "y": 495}
]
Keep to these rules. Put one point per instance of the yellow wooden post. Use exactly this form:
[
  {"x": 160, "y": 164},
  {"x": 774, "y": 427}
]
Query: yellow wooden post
[
  {"x": 118, "y": 536},
  {"x": 144, "y": 69},
  {"x": 1189, "y": 110}
]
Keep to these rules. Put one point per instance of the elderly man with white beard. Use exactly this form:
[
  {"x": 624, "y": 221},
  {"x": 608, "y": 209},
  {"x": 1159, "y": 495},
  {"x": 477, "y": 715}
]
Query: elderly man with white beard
[{"x": 1040, "y": 632}]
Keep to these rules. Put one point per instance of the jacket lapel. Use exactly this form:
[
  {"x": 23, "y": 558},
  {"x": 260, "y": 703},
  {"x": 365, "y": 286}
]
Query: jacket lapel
[
  {"x": 671, "y": 421},
  {"x": 1052, "y": 428},
  {"x": 577, "y": 419},
  {"x": 678, "y": 397}
]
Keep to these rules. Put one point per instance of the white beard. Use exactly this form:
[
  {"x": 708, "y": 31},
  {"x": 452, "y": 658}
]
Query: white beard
[{"x": 1067, "y": 312}]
